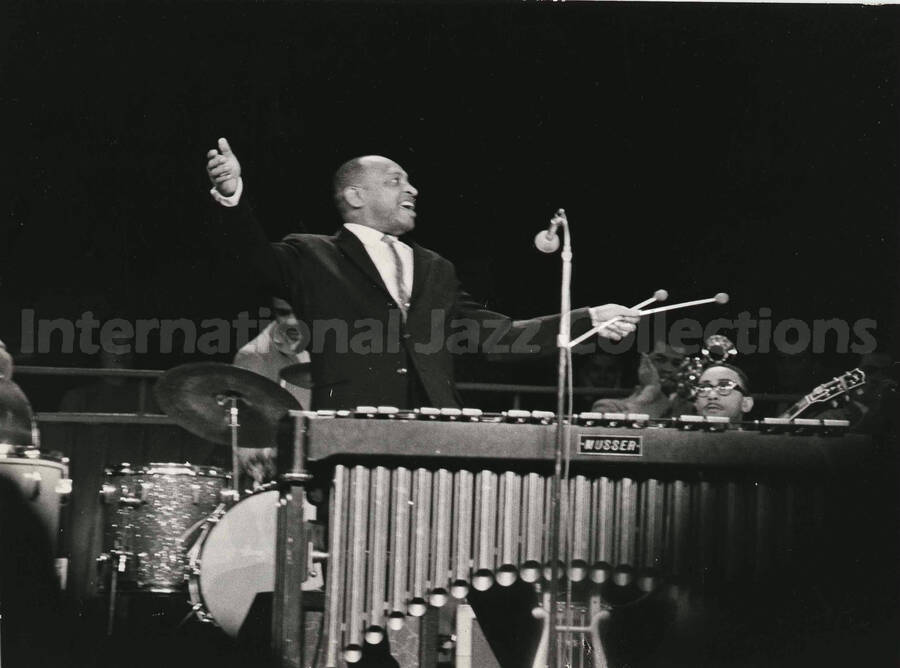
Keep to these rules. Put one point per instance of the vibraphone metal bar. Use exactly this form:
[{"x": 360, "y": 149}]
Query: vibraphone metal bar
[{"x": 422, "y": 509}]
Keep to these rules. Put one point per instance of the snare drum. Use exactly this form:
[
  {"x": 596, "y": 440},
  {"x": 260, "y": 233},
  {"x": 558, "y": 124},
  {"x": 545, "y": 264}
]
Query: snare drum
[
  {"x": 233, "y": 560},
  {"x": 148, "y": 511},
  {"x": 43, "y": 479}
]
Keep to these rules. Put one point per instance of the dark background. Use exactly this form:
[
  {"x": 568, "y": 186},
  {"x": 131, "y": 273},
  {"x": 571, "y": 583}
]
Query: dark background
[{"x": 751, "y": 149}]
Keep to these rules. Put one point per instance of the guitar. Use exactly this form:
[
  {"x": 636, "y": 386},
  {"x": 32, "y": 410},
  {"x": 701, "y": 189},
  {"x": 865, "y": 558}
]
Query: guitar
[{"x": 827, "y": 391}]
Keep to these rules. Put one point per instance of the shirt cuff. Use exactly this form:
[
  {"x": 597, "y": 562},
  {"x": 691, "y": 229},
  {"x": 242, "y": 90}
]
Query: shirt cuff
[{"x": 228, "y": 201}]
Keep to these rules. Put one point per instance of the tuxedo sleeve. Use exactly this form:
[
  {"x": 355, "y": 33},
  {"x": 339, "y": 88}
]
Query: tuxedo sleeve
[
  {"x": 269, "y": 267},
  {"x": 500, "y": 337}
]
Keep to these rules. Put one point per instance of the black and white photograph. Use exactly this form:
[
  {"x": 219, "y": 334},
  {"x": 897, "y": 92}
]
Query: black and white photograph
[{"x": 449, "y": 334}]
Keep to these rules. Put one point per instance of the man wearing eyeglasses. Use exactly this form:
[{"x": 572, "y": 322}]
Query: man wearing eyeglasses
[{"x": 723, "y": 390}]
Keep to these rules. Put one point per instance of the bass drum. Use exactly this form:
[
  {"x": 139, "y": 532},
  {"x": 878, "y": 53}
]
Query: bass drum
[{"x": 233, "y": 561}]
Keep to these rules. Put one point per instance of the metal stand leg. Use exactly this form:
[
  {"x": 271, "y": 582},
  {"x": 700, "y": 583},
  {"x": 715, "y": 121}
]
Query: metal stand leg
[
  {"x": 291, "y": 566},
  {"x": 290, "y": 570},
  {"x": 229, "y": 401},
  {"x": 118, "y": 566},
  {"x": 542, "y": 656}
]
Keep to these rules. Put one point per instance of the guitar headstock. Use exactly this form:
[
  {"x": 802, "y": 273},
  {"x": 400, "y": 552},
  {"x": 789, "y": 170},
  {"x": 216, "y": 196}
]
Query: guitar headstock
[{"x": 840, "y": 385}]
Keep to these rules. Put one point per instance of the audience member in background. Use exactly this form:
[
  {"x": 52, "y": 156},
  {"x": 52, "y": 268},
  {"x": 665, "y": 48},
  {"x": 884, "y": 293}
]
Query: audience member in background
[
  {"x": 279, "y": 345},
  {"x": 599, "y": 370},
  {"x": 655, "y": 394},
  {"x": 723, "y": 390}
]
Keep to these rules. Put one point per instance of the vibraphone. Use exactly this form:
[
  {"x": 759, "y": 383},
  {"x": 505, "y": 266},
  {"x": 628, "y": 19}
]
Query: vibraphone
[{"x": 424, "y": 506}]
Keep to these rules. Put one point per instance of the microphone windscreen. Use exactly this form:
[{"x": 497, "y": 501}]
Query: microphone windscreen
[
  {"x": 660, "y": 295},
  {"x": 545, "y": 242},
  {"x": 722, "y": 298}
]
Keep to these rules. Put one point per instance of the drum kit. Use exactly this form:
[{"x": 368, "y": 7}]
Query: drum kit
[{"x": 175, "y": 528}]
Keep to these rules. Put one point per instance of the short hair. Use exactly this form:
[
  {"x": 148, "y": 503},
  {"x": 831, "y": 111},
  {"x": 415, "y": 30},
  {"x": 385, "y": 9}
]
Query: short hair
[
  {"x": 745, "y": 380},
  {"x": 346, "y": 175}
]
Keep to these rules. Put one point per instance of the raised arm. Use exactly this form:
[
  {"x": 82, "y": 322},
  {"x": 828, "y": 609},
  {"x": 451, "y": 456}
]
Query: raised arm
[
  {"x": 239, "y": 235},
  {"x": 223, "y": 169}
]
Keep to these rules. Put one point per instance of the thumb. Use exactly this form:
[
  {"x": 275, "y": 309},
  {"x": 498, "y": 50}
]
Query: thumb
[{"x": 224, "y": 147}]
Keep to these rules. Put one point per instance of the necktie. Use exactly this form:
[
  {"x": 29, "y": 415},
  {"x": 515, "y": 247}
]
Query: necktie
[{"x": 402, "y": 297}]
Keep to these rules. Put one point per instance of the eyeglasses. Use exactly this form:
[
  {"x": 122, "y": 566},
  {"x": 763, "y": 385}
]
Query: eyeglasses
[{"x": 723, "y": 388}]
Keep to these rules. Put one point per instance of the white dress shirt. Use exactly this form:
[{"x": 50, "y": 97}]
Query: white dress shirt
[{"x": 383, "y": 257}]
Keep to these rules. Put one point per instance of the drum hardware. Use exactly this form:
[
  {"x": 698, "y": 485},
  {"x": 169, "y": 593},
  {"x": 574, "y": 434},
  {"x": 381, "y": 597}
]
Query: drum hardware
[
  {"x": 110, "y": 565},
  {"x": 132, "y": 501},
  {"x": 230, "y": 403},
  {"x": 107, "y": 493},
  {"x": 225, "y": 404},
  {"x": 184, "y": 538},
  {"x": 34, "y": 488}
]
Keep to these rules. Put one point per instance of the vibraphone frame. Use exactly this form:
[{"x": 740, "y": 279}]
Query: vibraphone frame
[{"x": 321, "y": 441}]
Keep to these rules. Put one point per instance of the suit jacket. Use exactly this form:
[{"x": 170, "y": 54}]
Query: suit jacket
[{"x": 363, "y": 351}]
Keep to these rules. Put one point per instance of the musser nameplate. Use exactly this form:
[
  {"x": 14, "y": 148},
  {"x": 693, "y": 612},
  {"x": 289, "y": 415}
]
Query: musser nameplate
[{"x": 628, "y": 446}]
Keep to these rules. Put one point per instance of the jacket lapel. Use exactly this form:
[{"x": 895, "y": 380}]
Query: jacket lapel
[
  {"x": 353, "y": 250},
  {"x": 421, "y": 271}
]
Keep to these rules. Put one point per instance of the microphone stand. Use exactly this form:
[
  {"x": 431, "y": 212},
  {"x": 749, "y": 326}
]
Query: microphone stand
[{"x": 562, "y": 343}]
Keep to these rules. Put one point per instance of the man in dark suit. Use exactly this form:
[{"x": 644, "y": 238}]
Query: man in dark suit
[{"x": 384, "y": 317}]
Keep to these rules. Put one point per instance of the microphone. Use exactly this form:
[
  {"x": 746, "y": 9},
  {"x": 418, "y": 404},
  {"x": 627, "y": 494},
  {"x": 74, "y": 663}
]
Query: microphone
[{"x": 547, "y": 241}]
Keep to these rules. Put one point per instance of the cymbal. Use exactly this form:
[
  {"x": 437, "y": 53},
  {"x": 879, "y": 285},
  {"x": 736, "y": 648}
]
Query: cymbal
[
  {"x": 299, "y": 374},
  {"x": 15, "y": 415},
  {"x": 196, "y": 397}
]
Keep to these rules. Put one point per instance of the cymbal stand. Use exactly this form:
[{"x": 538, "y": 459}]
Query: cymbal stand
[
  {"x": 116, "y": 560},
  {"x": 232, "y": 414}
]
